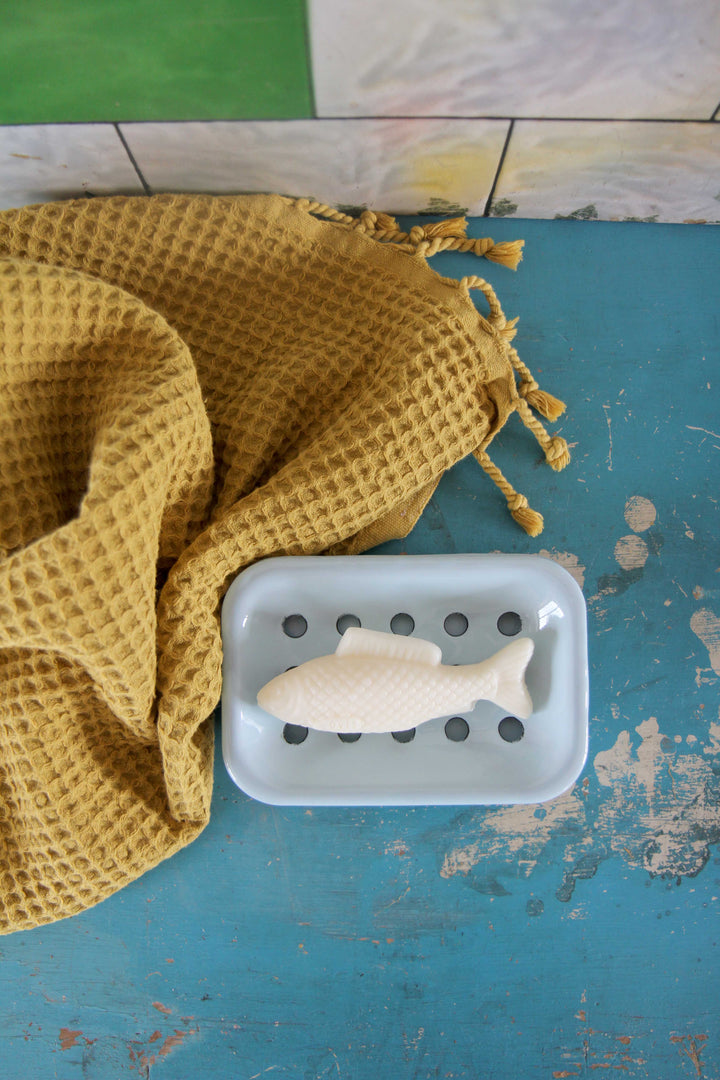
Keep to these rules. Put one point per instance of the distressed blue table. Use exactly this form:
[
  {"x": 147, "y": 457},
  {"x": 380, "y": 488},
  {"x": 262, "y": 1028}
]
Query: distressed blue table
[{"x": 577, "y": 938}]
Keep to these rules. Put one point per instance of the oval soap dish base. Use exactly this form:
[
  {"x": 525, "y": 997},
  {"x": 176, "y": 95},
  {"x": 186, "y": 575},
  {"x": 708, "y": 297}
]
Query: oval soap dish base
[{"x": 284, "y": 611}]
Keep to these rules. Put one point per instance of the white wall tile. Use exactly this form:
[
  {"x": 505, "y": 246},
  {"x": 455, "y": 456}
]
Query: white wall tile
[
  {"x": 43, "y": 162},
  {"x": 533, "y": 58},
  {"x": 400, "y": 166},
  {"x": 612, "y": 171}
]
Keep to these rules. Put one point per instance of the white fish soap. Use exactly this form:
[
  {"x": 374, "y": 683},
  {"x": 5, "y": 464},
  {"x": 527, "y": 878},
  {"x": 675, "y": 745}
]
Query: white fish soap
[{"x": 377, "y": 682}]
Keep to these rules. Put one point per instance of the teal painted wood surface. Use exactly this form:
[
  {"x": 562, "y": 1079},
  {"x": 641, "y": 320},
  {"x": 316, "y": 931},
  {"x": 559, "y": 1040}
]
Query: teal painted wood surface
[{"x": 577, "y": 938}]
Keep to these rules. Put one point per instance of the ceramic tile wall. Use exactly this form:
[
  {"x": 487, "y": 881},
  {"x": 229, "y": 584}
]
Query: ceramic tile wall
[
  {"x": 612, "y": 171},
  {"x": 41, "y": 162},
  {"x": 546, "y": 58},
  {"x": 557, "y": 108},
  {"x": 416, "y": 165}
]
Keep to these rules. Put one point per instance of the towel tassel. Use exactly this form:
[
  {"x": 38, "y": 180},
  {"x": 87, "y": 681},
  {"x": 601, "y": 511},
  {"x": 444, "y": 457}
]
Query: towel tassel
[
  {"x": 548, "y": 406},
  {"x": 527, "y": 518},
  {"x": 422, "y": 240},
  {"x": 555, "y": 448}
]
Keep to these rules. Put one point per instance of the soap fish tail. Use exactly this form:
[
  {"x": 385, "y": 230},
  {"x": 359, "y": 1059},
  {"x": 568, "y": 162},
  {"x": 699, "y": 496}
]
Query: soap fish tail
[{"x": 509, "y": 666}]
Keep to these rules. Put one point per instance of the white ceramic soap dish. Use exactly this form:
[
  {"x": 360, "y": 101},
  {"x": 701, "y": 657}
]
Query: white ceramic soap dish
[{"x": 284, "y": 611}]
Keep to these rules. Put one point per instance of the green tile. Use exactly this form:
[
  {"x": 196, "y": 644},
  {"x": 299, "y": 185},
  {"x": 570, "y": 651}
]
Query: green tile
[{"x": 71, "y": 60}]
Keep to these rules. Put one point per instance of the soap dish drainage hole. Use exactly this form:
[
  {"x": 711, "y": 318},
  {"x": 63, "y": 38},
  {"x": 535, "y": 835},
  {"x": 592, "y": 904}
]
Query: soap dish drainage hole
[
  {"x": 457, "y": 729},
  {"x": 509, "y": 623},
  {"x": 402, "y": 623},
  {"x": 346, "y": 621},
  {"x": 295, "y": 734},
  {"x": 404, "y": 736},
  {"x": 511, "y": 729},
  {"x": 294, "y": 626},
  {"x": 456, "y": 624},
  {"x": 349, "y": 736}
]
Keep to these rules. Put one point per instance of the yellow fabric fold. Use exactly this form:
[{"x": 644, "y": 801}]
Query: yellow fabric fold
[{"x": 188, "y": 384}]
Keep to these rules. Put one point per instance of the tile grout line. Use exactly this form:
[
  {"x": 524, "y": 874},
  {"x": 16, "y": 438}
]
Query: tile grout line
[
  {"x": 703, "y": 121},
  {"x": 501, "y": 162},
  {"x": 146, "y": 187},
  {"x": 508, "y": 119},
  {"x": 309, "y": 61}
]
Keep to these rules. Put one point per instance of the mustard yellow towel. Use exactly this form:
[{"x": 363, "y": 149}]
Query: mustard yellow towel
[{"x": 189, "y": 384}]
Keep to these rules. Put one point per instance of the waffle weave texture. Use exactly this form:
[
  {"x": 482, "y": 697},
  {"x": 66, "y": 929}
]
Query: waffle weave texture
[{"x": 188, "y": 384}]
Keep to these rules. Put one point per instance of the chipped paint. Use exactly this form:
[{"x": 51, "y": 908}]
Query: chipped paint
[
  {"x": 693, "y": 1046},
  {"x": 170, "y": 1042},
  {"x": 519, "y": 829},
  {"x": 68, "y": 1038},
  {"x": 631, "y": 552},
  {"x": 706, "y": 625},
  {"x": 640, "y": 513},
  {"x": 714, "y": 733},
  {"x": 396, "y": 847},
  {"x": 597, "y": 1049},
  {"x": 566, "y": 559},
  {"x": 658, "y": 810},
  {"x": 665, "y": 798}
]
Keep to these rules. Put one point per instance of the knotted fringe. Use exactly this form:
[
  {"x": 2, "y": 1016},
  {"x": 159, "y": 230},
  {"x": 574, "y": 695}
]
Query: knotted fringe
[
  {"x": 530, "y": 396},
  {"x": 422, "y": 240},
  {"x": 548, "y": 406},
  {"x": 451, "y": 235},
  {"x": 526, "y": 517},
  {"x": 555, "y": 448}
]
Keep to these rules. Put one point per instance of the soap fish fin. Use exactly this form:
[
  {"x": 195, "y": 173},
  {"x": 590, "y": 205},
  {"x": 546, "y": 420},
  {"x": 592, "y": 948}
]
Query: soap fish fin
[
  {"x": 357, "y": 641},
  {"x": 510, "y": 664}
]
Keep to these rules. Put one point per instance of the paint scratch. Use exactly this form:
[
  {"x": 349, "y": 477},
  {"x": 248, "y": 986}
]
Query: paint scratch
[
  {"x": 609, "y": 426},
  {"x": 712, "y": 434}
]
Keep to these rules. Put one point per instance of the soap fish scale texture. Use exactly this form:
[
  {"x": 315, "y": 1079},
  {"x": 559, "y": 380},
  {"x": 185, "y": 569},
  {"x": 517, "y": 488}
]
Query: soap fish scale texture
[
  {"x": 438, "y": 688},
  {"x": 189, "y": 384}
]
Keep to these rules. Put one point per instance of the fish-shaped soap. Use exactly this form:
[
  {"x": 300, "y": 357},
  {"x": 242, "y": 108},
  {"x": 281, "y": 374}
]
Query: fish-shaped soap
[{"x": 377, "y": 682}]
